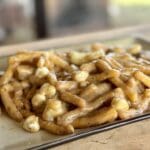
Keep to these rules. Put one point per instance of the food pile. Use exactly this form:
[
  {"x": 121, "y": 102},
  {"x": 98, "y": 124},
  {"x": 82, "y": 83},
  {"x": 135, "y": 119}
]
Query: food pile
[{"x": 63, "y": 91}]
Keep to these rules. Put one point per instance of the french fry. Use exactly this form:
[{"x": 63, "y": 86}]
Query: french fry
[
  {"x": 24, "y": 57},
  {"x": 89, "y": 67},
  {"x": 93, "y": 91},
  {"x": 142, "y": 78},
  {"x": 129, "y": 113},
  {"x": 56, "y": 129},
  {"x": 8, "y": 75},
  {"x": 73, "y": 99},
  {"x": 9, "y": 105},
  {"x": 28, "y": 97},
  {"x": 103, "y": 76},
  {"x": 103, "y": 65},
  {"x": 58, "y": 61},
  {"x": 26, "y": 113},
  {"x": 129, "y": 92},
  {"x": 113, "y": 63},
  {"x": 132, "y": 84},
  {"x": 68, "y": 117},
  {"x": 102, "y": 116}
]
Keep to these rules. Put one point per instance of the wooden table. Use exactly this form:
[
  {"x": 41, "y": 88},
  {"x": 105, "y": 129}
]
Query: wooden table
[{"x": 130, "y": 137}]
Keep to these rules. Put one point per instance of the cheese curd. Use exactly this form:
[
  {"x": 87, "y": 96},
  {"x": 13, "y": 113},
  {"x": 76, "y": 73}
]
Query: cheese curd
[
  {"x": 53, "y": 109},
  {"x": 48, "y": 90},
  {"x": 38, "y": 100},
  {"x": 31, "y": 124},
  {"x": 42, "y": 72},
  {"x": 80, "y": 76}
]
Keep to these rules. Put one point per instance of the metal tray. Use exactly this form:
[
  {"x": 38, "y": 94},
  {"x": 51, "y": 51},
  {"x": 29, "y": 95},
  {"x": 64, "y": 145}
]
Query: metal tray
[{"x": 13, "y": 137}]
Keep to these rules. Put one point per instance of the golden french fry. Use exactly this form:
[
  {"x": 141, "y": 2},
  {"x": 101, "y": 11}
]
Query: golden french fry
[
  {"x": 73, "y": 99},
  {"x": 102, "y": 116},
  {"x": 9, "y": 104},
  {"x": 66, "y": 85},
  {"x": 68, "y": 117},
  {"x": 19, "y": 104},
  {"x": 113, "y": 63},
  {"x": 103, "y": 76},
  {"x": 103, "y": 65},
  {"x": 8, "y": 75},
  {"x": 142, "y": 78},
  {"x": 26, "y": 100},
  {"x": 58, "y": 61},
  {"x": 132, "y": 84},
  {"x": 129, "y": 92},
  {"x": 129, "y": 113},
  {"x": 26, "y": 113},
  {"x": 56, "y": 129},
  {"x": 93, "y": 91},
  {"x": 89, "y": 67},
  {"x": 24, "y": 57}
]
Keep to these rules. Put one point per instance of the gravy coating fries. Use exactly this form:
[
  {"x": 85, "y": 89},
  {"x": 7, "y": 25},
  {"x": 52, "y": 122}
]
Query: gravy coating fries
[{"x": 61, "y": 91}]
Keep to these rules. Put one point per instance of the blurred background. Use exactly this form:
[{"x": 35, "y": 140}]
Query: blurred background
[{"x": 23, "y": 21}]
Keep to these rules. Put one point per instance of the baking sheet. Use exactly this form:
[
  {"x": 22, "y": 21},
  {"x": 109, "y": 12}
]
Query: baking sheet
[{"x": 12, "y": 136}]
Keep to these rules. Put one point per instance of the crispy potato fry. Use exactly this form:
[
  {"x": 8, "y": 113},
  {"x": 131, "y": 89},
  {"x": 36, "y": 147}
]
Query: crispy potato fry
[
  {"x": 142, "y": 78},
  {"x": 56, "y": 129},
  {"x": 24, "y": 57},
  {"x": 114, "y": 63},
  {"x": 58, "y": 61},
  {"x": 74, "y": 114},
  {"x": 8, "y": 74},
  {"x": 26, "y": 113},
  {"x": 129, "y": 92},
  {"x": 93, "y": 91},
  {"x": 28, "y": 97},
  {"x": 89, "y": 67},
  {"x": 103, "y": 76},
  {"x": 129, "y": 113},
  {"x": 102, "y": 116},
  {"x": 103, "y": 65},
  {"x": 9, "y": 105},
  {"x": 73, "y": 99}
]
